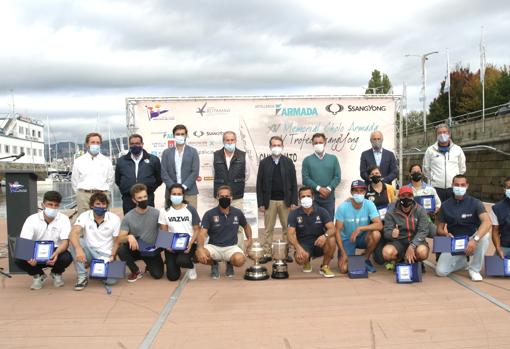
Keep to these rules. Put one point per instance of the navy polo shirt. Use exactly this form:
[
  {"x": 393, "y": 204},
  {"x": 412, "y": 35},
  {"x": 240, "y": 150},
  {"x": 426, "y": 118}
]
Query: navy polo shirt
[
  {"x": 222, "y": 228},
  {"x": 502, "y": 212},
  {"x": 461, "y": 216},
  {"x": 309, "y": 227}
]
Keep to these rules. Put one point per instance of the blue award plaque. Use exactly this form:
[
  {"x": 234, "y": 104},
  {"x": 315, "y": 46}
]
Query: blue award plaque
[
  {"x": 382, "y": 211},
  {"x": 428, "y": 202},
  {"x": 506, "y": 260},
  {"x": 180, "y": 241},
  {"x": 98, "y": 269},
  {"x": 146, "y": 249},
  {"x": 356, "y": 268},
  {"x": 459, "y": 244},
  {"x": 404, "y": 273},
  {"x": 43, "y": 250}
]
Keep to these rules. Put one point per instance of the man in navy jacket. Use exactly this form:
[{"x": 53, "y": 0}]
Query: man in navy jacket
[
  {"x": 137, "y": 166},
  {"x": 377, "y": 156}
]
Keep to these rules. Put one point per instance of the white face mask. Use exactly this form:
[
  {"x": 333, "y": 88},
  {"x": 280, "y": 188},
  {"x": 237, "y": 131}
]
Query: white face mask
[
  {"x": 443, "y": 138},
  {"x": 180, "y": 140},
  {"x": 318, "y": 148},
  {"x": 306, "y": 202},
  {"x": 276, "y": 151}
]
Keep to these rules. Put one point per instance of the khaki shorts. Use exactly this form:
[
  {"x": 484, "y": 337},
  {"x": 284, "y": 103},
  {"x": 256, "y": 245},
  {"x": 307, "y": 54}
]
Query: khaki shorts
[{"x": 219, "y": 253}]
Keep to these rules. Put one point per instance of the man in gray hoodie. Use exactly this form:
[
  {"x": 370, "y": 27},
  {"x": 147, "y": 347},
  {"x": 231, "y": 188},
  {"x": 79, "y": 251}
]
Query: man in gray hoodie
[{"x": 405, "y": 230}]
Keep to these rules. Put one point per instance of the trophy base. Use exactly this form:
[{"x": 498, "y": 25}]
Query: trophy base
[
  {"x": 280, "y": 271},
  {"x": 256, "y": 274}
]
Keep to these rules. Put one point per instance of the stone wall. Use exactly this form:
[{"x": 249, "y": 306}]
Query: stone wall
[{"x": 486, "y": 169}]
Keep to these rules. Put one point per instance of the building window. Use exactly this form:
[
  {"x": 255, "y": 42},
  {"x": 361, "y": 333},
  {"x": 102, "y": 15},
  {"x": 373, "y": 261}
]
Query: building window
[
  {"x": 1, "y": 148},
  {"x": 33, "y": 133},
  {"x": 22, "y": 150},
  {"x": 14, "y": 149},
  {"x": 38, "y": 134},
  {"x": 27, "y": 131},
  {"x": 7, "y": 150},
  {"x": 20, "y": 130},
  {"x": 40, "y": 152}
]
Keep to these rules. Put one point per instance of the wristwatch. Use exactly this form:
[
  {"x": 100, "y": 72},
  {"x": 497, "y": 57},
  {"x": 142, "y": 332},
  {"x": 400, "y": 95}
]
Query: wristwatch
[
  {"x": 326, "y": 234},
  {"x": 476, "y": 238}
]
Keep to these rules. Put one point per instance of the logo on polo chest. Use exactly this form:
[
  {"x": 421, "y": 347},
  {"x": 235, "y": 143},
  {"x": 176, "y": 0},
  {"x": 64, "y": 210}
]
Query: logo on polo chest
[
  {"x": 300, "y": 220},
  {"x": 178, "y": 219}
]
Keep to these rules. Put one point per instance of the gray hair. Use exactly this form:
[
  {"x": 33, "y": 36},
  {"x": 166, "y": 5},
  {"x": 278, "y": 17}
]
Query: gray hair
[
  {"x": 229, "y": 132},
  {"x": 443, "y": 125}
]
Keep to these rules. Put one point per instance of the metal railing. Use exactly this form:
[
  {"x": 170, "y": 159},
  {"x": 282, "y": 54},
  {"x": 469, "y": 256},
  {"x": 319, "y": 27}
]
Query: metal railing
[
  {"x": 481, "y": 147},
  {"x": 459, "y": 119}
]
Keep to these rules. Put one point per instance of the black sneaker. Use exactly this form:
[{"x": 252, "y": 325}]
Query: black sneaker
[
  {"x": 215, "y": 271},
  {"x": 230, "y": 270},
  {"x": 423, "y": 270},
  {"x": 289, "y": 259},
  {"x": 81, "y": 284}
]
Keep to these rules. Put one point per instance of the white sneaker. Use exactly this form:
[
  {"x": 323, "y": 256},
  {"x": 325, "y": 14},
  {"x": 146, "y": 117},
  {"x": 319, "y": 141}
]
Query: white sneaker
[
  {"x": 475, "y": 276},
  {"x": 38, "y": 282},
  {"x": 58, "y": 280},
  {"x": 192, "y": 273}
]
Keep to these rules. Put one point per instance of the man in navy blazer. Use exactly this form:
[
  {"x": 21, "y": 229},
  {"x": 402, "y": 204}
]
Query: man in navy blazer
[
  {"x": 181, "y": 164},
  {"x": 377, "y": 156}
]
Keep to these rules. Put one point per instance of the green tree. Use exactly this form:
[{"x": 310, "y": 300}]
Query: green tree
[{"x": 378, "y": 84}]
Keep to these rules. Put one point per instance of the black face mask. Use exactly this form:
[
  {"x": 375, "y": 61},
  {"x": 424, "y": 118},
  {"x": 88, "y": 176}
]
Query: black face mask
[
  {"x": 406, "y": 202},
  {"x": 224, "y": 202},
  {"x": 416, "y": 177},
  {"x": 143, "y": 204},
  {"x": 375, "y": 179}
]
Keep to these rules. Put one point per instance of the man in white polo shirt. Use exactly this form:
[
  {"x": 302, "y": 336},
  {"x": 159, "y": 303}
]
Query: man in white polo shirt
[
  {"x": 99, "y": 228},
  {"x": 49, "y": 224},
  {"x": 92, "y": 172}
]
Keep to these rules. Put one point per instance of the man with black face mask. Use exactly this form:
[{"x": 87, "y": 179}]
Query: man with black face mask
[
  {"x": 405, "y": 230},
  {"x": 221, "y": 224},
  {"x": 137, "y": 166},
  {"x": 139, "y": 223}
]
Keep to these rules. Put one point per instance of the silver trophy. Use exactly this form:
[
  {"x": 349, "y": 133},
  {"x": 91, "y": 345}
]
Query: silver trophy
[
  {"x": 280, "y": 252},
  {"x": 257, "y": 271}
]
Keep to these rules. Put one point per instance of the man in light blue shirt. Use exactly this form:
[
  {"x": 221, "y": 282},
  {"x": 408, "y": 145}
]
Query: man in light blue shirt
[{"x": 358, "y": 225}]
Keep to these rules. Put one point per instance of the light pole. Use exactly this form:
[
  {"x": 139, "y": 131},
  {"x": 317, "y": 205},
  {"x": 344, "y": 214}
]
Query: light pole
[{"x": 424, "y": 85}]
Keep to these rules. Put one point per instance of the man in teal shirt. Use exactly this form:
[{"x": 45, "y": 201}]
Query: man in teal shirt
[
  {"x": 358, "y": 225},
  {"x": 321, "y": 172}
]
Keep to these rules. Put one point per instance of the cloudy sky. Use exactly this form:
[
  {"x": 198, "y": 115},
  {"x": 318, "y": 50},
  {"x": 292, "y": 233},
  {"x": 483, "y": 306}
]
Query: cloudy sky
[{"x": 74, "y": 62}]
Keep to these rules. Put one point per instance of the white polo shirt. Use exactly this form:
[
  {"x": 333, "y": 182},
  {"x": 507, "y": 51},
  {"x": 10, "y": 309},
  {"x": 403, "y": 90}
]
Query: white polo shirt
[
  {"x": 35, "y": 228},
  {"x": 100, "y": 237},
  {"x": 92, "y": 173}
]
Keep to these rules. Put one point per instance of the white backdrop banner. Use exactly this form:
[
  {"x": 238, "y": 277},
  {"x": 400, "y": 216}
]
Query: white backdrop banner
[{"x": 346, "y": 121}]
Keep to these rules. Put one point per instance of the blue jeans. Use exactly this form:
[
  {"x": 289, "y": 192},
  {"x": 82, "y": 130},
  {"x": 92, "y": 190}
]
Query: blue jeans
[
  {"x": 90, "y": 254},
  {"x": 448, "y": 264},
  {"x": 328, "y": 204}
]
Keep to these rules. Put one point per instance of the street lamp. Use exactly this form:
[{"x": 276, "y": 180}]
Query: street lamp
[{"x": 424, "y": 85}]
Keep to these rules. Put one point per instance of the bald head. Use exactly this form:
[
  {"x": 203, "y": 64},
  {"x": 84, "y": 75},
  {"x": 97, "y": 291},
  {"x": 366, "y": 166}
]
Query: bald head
[{"x": 376, "y": 139}]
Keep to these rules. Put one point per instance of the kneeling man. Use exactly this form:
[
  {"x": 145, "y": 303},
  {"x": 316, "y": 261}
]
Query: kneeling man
[
  {"x": 221, "y": 225},
  {"x": 405, "y": 230},
  {"x": 311, "y": 232}
]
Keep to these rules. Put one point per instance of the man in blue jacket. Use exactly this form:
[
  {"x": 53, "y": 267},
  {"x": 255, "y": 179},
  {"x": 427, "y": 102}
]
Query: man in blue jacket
[
  {"x": 377, "y": 156},
  {"x": 137, "y": 166},
  {"x": 181, "y": 164}
]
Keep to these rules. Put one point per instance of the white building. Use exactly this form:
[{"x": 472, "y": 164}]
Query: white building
[{"x": 22, "y": 135}]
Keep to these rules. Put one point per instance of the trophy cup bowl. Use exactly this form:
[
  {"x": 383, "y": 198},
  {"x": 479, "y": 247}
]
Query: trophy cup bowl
[
  {"x": 280, "y": 252},
  {"x": 257, "y": 271}
]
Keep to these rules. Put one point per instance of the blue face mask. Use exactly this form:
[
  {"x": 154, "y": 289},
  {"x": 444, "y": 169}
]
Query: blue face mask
[
  {"x": 459, "y": 191},
  {"x": 94, "y": 149},
  {"x": 358, "y": 198},
  {"x": 99, "y": 211},
  {"x": 507, "y": 193},
  {"x": 176, "y": 199},
  {"x": 230, "y": 147},
  {"x": 180, "y": 139},
  {"x": 50, "y": 212}
]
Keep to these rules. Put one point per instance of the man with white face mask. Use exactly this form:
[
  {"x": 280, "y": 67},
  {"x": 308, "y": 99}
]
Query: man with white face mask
[
  {"x": 321, "y": 172},
  {"x": 358, "y": 226},
  {"x": 276, "y": 192},
  {"x": 458, "y": 216},
  {"x": 92, "y": 173},
  {"x": 49, "y": 224},
  {"x": 442, "y": 161},
  {"x": 377, "y": 156},
  {"x": 311, "y": 233},
  {"x": 181, "y": 164}
]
